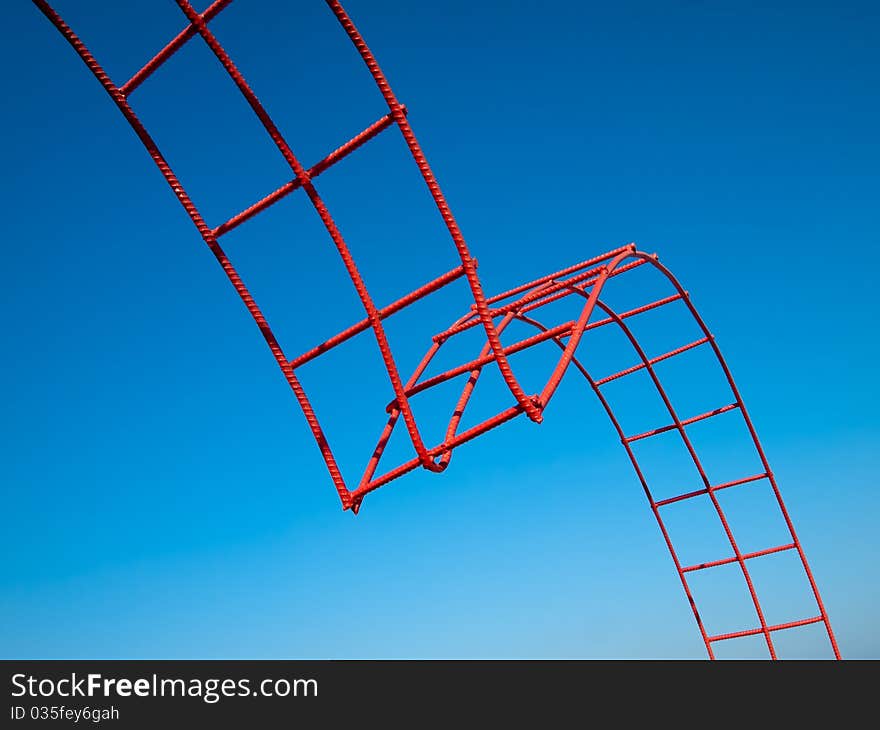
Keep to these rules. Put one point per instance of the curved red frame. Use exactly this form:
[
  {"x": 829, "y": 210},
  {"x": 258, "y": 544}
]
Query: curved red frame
[{"x": 586, "y": 279}]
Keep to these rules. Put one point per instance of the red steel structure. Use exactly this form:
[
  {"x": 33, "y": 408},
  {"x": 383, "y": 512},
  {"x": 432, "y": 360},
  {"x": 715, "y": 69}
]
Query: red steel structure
[{"x": 584, "y": 280}]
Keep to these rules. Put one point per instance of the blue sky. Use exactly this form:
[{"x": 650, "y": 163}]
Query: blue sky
[{"x": 163, "y": 497}]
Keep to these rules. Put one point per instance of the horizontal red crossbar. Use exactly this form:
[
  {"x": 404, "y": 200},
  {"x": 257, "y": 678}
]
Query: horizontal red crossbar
[
  {"x": 569, "y": 289},
  {"x": 364, "y": 324},
  {"x": 777, "y": 627},
  {"x": 716, "y": 488},
  {"x": 685, "y": 422},
  {"x": 747, "y": 556},
  {"x": 654, "y": 361},
  {"x": 169, "y": 50},
  {"x": 563, "y": 272},
  {"x": 631, "y": 312},
  {"x": 544, "y": 296},
  {"x": 339, "y": 153}
]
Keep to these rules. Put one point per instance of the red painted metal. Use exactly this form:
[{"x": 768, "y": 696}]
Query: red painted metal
[{"x": 587, "y": 280}]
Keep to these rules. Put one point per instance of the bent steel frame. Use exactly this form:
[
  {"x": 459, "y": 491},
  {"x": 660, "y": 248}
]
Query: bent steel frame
[{"x": 586, "y": 280}]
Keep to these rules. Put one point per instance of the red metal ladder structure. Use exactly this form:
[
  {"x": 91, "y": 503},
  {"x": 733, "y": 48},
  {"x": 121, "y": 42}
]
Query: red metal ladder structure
[{"x": 585, "y": 280}]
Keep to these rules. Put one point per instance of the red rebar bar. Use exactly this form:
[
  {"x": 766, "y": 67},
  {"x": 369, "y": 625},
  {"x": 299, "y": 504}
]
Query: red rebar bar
[
  {"x": 714, "y": 488},
  {"x": 338, "y": 154},
  {"x": 169, "y": 50}
]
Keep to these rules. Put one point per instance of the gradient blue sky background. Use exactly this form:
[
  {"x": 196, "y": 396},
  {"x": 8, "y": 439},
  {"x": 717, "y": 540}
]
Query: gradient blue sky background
[{"x": 162, "y": 495}]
